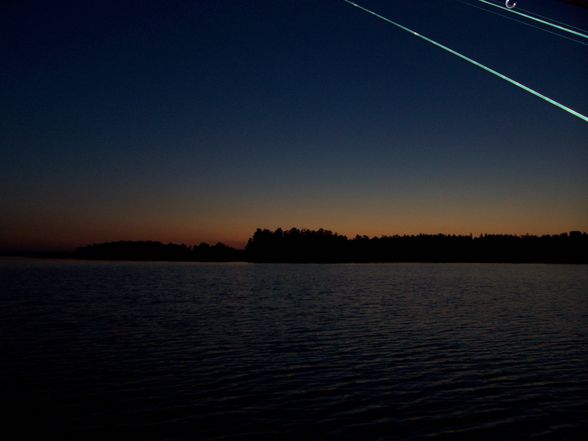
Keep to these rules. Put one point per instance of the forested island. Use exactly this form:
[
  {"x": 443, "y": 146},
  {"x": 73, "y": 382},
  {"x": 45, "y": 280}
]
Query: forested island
[{"x": 307, "y": 246}]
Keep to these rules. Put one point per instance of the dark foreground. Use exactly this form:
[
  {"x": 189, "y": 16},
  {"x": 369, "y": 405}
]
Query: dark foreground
[
  {"x": 300, "y": 246},
  {"x": 185, "y": 351}
]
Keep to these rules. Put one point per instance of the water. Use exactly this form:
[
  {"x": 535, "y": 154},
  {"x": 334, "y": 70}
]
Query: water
[{"x": 168, "y": 351}]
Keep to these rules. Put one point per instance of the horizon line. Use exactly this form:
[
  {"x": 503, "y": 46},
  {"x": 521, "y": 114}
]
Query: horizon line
[{"x": 8, "y": 251}]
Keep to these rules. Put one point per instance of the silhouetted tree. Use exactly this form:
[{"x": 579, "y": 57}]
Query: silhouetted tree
[
  {"x": 303, "y": 245},
  {"x": 296, "y": 245}
]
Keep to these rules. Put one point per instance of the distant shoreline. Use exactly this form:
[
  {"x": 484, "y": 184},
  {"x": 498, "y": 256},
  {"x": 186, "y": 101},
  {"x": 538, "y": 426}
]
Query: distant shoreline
[
  {"x": 323, "y": 246},
  {"x": 33, "y": 256}
]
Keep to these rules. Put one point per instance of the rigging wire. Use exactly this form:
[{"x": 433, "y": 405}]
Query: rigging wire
[
  {"x": 524, "y": 23},
  {"x": 474, "y": 62},
  {"x": 553, "y": 20},
  {"x": 530, "y": 17}
]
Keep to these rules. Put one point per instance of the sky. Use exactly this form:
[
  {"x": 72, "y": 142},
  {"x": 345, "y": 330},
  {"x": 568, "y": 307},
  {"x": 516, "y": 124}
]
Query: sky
[{"x": 191, "y": 121}]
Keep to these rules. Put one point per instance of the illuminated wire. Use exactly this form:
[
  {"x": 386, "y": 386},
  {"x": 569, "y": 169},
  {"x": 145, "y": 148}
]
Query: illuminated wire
[
  {"x": 530, "y": 17},
  {"x": 474, "y": 62},
  {"x": 553, "y": 20},
  {"x": 525, "y": 23}
]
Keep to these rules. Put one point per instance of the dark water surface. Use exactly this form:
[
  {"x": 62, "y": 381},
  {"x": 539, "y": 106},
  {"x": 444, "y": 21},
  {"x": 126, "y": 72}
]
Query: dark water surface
[{"x": 242, "y": 351}]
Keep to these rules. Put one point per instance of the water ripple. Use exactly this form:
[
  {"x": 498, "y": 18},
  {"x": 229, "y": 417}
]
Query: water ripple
[{"x": 326, "y": 352}]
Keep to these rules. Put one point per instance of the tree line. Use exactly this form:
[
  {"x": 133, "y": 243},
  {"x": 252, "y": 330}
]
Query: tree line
[{"x": 304, "y": 245}]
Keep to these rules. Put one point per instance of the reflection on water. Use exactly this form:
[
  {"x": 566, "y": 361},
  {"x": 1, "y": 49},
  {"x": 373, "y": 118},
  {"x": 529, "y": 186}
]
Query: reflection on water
[{"x": 243, "y": 351}]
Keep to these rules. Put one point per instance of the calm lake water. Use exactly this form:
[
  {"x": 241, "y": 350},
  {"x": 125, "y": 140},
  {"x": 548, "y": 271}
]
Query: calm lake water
[{"x": 195, "y": 351}]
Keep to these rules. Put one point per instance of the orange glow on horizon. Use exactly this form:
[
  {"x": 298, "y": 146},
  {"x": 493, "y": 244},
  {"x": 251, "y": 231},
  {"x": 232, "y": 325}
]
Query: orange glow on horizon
[{"x": 47, "y": 238}]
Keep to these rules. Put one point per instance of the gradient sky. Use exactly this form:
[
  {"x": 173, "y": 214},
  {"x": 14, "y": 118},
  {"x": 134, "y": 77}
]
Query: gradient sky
[{"x": 191, "y": 121}]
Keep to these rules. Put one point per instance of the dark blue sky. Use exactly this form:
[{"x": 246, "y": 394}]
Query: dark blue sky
[{"x": 200, "y": 121}]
